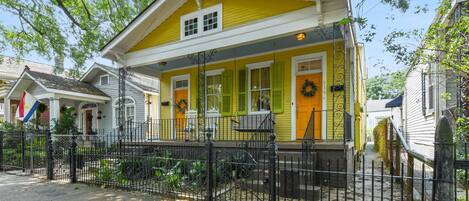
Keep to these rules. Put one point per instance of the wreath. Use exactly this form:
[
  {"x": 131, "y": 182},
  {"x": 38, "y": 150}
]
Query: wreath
[
  {"x": 309, "y": 88},
  {"x": 181, "y": 106}
]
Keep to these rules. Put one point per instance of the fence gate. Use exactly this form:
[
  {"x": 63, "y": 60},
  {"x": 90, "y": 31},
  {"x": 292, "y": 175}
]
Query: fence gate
[{"x": 23, "y": 152}]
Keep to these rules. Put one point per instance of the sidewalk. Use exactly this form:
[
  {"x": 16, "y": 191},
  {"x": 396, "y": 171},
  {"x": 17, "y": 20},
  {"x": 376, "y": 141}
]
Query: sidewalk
[{"x": 25, "y": 188}]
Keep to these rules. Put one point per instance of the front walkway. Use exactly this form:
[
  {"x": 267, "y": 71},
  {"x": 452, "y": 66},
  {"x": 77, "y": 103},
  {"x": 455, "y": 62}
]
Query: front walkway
[{"x": 14, "y": 188}]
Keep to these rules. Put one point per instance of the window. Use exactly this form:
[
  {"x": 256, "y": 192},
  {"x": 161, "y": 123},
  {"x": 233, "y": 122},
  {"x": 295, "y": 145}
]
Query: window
[
  {"x": 309, "y": 66},
  {"x": 181, "y": 84},
  {"x": 430, "y": 92},
  {"x": 210, "y": 21},
  {"x": 428, "y": 96},
  {"x": 213, "y": 92},
  {"x": 104, "y": 79},
  {"x": 190, "y": 27},
  {"x": 202, "y": 22},
  {"x": 259, "y": 87},
  {"x": 129, "y": 110}
]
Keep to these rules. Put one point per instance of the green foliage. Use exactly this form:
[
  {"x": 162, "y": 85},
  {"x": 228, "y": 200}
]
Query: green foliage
[
  {"x": 66, "y": 122},
  {"x": 108, "y": 173},
  {"x": 61, "y": 29},
  {"x": 385, "y": 86},
  {"x": 379, "y": 134},
  {"x": 238, "y": 165}
]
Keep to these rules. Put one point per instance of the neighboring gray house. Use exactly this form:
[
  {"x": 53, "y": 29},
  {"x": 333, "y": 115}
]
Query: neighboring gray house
[
  {"x": 429, "y": 91},
  {"x": 94, "y": 96}
]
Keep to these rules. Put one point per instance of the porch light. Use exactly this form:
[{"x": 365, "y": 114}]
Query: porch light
[{"x": 300, "y": 36}]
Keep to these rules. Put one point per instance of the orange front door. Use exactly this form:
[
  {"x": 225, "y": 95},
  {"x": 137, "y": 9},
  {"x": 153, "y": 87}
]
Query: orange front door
[
  {"x": 305, "y": 103},
  {"x": 181, "y": 103}
]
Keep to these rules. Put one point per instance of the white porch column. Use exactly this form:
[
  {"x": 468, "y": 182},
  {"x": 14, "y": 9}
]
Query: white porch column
[
  {"x": 54, "y": 110},
  {"x": 7, "y": 110}
]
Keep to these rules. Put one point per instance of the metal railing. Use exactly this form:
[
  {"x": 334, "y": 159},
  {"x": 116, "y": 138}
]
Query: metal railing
[{"x": 328, "y": 126}]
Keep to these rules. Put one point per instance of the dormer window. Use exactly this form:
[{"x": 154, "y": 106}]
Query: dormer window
[
  {"x": 104, "y": 79},
  {"x": 201, "y": 22}
]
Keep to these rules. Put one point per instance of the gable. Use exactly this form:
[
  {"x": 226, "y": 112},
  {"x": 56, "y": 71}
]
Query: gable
[{"x": 235, "y": 13}]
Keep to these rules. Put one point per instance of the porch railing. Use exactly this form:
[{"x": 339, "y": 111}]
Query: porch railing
[
  {"x": 223, "y": 128},
  {"x": 328, "y": 126}
]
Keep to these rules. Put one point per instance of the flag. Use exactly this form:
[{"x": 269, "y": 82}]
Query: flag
[{"x": 27, "y": 107}]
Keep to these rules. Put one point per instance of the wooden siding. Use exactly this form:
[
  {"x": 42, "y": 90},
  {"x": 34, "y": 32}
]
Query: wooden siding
[
  {"x": 235, "y": 13},
  {"x": 419, "y": 128},
  {"x": 112, "y": 91},
  {"x": 283, "y": 126}
]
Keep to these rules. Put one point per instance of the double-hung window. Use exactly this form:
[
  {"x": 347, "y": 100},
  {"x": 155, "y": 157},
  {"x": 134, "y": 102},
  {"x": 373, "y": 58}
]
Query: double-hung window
[
  {"x": 213, "y": 93},
  {"x": 129, "y": 110},
  {"x": 259, "y": 87},
  {"x": 201, "y": 22}
]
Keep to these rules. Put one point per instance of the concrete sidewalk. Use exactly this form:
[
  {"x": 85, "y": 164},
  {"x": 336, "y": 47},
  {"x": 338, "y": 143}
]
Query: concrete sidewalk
[{"x": 26, "y": 188}]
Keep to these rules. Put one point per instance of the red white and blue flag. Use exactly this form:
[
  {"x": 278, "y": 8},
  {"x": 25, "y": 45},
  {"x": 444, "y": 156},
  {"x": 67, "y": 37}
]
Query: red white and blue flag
[{"x": 27, "y": 107}]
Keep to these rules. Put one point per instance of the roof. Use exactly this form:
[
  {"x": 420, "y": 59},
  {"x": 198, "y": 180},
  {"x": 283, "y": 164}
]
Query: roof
[
  {"x": 64, "y": 84},
  {"x": 140, "y": 81},
  {"x": 376, "y": 105},
  {"x": 11, "y": 68},
  {"x": 396, "y": 102}
]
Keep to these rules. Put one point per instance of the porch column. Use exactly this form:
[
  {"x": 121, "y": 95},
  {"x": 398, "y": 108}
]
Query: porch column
[
  {"x": 7, "y": 110},
  {"x": 54, "y": 110}
]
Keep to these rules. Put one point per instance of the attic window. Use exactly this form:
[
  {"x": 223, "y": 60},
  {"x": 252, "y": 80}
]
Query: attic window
[
  {"x": 104, "y": 79},
  {"x": 201, "y": 22}
]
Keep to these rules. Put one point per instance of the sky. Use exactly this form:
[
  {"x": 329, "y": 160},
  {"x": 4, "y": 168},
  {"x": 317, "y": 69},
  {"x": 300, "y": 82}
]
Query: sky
[{"x": 382, "y": 16}]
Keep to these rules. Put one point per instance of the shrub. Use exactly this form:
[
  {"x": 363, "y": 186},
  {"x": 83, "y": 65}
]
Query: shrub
[
  {"x": 380, "y": 133},
  {"x": 137, "y": 168}
]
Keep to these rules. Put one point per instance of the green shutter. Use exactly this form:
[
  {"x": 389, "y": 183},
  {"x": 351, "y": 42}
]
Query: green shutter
[
  {"x": 226, "y": 83},
  {"x": 276, "y": 86},
  {"x": 242, "y": 92}
]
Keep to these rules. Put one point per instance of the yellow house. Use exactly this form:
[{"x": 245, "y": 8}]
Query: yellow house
[{"x": 296, "y": 59}]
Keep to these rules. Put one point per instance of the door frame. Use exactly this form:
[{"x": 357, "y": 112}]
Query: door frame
[
  {"x": 294, "y": 62},
  {"x": 82, "y": 116},
  {"x": 173, "y": 81}
]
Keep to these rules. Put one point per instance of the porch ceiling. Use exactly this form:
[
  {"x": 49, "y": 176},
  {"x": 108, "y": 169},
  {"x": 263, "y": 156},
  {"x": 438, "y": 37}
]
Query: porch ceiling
[{"x": 260, "y": 47}]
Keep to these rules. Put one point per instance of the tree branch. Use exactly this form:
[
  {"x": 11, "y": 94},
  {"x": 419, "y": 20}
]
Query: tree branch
[{"x": 69, "y": 15}]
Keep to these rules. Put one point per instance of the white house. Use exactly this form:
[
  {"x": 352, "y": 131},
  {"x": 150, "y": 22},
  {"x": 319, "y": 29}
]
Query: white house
[
  {"x": 10, "y": 70},
  {"x": 376, "y": 111}
]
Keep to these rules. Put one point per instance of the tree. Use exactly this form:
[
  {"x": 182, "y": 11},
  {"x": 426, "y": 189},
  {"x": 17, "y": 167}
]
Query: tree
[
  {"x": 389, "y": 85},
  {"x": 59, "y": 29}
]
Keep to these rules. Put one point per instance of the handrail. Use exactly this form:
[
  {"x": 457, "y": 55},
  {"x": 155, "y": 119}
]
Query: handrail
[{"x": 408, "y": 149}]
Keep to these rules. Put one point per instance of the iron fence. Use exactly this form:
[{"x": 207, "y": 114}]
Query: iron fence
[
  {"x": 23, "y": 151},
  {"x": 219, "y": 170}
]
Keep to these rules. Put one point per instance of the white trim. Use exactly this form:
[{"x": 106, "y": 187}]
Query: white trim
[
  {"x": 280, "y": 25},
  {"x": 101, "y": 81},
  {"x": 250, "y": 67},
  {"x": 162, "y": 12},
  {"x": 295, "y": 61},
  {"x": 212, "y": 73},
  {"x": 199, "y": 15},
  {"x": 94, "y": 111},
  {"x": 76, "y": 94},
  {"x": 95, "y": 65},
  {"x": 173, "y": 80},
  {"x": 278, "y": 51},
  {"x": 114, "y": 123}
]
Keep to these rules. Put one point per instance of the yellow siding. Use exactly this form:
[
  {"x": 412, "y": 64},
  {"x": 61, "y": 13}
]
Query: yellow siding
[
  {"x": 235, "y": 13},
  {"x": 283, "y": 126},
  {"x": 360, "y": 101}
]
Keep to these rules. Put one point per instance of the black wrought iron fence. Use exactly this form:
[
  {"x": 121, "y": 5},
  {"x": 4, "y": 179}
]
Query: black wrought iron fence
[
  {"x": 23, "y": 151},
  {"x": 221, "y": 170}
]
